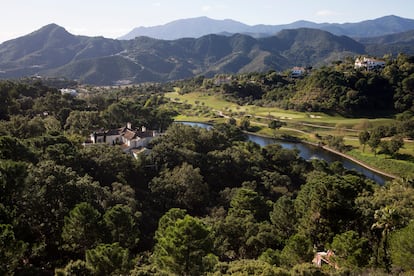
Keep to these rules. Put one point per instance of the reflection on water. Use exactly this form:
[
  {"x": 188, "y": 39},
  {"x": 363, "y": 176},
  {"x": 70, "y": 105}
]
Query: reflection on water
[{"x": 309, "y": 152}]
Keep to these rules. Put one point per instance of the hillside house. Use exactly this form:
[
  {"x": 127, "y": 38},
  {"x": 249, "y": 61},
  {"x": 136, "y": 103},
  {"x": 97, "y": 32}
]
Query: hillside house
[
  {"x": 369, "y": 63},
  {"x": 297, "y": 72},
  {"x": 67, "y": 91},
  {"x": 127, "y": 137}
]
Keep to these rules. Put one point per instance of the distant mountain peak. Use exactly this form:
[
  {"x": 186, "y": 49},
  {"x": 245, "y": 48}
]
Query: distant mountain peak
[
  {"x": 190, "y": 27},
  {"x": 51, "y": 27},
  {"x": 52, "y": 30}
]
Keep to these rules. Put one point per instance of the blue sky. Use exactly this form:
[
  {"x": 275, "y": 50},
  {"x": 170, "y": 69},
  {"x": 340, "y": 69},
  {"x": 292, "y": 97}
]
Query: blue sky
[{"x": 113, "y": 18}]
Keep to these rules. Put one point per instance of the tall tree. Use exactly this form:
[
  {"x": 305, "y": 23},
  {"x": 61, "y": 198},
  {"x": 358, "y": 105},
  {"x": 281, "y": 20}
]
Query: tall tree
[
  {"x": 352, "y": 250},
  {"x": 389, "y": 208},
  {"x": 12, "y": 178},
  {"x": 395, "y": 144},
  {"x": 83, "y": 122},
  {"x": 108, "y": 164},
  {"x": 375, "y": 140},
  {"x": 51, "y": 191},
  {"x": 181, "y": 187},
  {"x": 122, "y": 225},
  {"x": 386, "y": 220},
  {"x": 180, "y": 249},
  {"x": 325, "y": 205},
  {"x": 248, "y": 201},
  {"x": 283, "y": 217},
  {"x": 108, "y": 259},
  {"x": 245, "y": 123},
  {"x": 78, "y": 268},
  {"x": 82, "y": 228},
  {"x": 298, "y": 250},
  {"x": 11, "y": 250},
  {"x": 12, "y": 148},
  {"x": 363, "y": 138}
]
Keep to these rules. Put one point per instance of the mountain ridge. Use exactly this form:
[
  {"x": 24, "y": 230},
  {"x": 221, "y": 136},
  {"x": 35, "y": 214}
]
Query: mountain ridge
[
  {"x": 200, "y": 26},
  {"x": 51, "y": 51}
]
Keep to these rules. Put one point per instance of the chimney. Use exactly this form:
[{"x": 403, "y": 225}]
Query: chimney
[
  {"x": 129, "y": 125},
  {"x": 143, "y": 129}
]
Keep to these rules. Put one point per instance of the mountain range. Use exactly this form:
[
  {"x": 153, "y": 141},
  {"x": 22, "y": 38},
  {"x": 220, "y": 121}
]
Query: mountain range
[
  {"x": 200, "y": 26},
  {"x": 53, "y": 52}
]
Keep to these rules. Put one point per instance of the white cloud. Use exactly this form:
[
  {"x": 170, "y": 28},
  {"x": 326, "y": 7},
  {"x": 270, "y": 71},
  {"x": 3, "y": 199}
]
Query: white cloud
[
  {"x": 206, "y": 8},
  {"x": 157, "y": 4},
  {"x": 324, "y": 13}
]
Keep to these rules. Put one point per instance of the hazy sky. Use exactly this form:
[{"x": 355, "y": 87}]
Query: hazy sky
[{"x": 113, "y": 18}]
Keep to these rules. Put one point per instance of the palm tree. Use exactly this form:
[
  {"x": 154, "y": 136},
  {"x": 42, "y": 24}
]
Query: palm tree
[{"x": 386, "y": 219}]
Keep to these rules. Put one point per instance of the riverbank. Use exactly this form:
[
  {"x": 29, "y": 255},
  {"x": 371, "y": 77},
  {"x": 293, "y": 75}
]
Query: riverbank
[
  {"x": 360, "y": 163},
  {"x": 344, "y": 155}
]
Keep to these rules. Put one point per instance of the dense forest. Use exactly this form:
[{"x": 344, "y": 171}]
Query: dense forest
[{"x": 202, "y": 202}]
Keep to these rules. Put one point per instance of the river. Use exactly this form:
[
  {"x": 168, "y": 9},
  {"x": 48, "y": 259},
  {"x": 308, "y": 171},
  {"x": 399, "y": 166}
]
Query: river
[{"x": 309, "y": 152}]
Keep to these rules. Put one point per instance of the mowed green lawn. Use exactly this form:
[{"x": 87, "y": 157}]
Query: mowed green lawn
[{"x": 217, "y": 102}]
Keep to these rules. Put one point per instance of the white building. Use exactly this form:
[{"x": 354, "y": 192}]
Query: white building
[
  {"x": 297, "y": 71},
  {"x": 71, "y": 92},
  {"x": 127, "y": 137},
  {"x": 369, "y": 63}
]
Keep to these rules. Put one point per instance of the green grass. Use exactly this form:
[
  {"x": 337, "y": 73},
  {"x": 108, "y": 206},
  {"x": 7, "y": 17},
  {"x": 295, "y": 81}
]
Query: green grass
[
  {"x": 408, "y": 148},
  {"x": 199, "y": 119},
  {"x": 217, "y": 102},
  {"x": 399, "y": 168},
  {"x": 282, "y": 132},
  {"x": 192, "y": 119}
]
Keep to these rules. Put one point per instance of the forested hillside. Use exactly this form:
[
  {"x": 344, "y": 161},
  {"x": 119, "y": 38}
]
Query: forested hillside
[
  {"x": 335, "y": 88},
  {"x": 202, "y": 202}
]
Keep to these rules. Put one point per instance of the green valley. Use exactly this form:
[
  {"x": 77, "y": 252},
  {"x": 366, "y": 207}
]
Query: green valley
[{"x": 335, "y": 115}]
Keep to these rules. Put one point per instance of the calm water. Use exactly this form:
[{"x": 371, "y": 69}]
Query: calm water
[{"x": 309, "y": 152}]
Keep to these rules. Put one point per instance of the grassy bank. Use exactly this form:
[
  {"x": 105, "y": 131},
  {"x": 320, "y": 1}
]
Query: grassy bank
[{"x": 401, "y": 168}]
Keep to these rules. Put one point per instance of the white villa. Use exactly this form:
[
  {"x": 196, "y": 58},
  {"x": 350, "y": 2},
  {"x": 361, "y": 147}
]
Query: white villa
[
  {"x": 369, "y": 63},
  {"x": 127, "y": 137},
  {"x": 297, "y": 71}
]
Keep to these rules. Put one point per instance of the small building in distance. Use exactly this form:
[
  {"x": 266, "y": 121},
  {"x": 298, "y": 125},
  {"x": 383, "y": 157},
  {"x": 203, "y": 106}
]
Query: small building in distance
[
  {"x": 67, "y": 91},
  {"x": 297, "y": 72},
  {"x": 369, "y": 63},
  {"x": 127, "y": 137}
]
